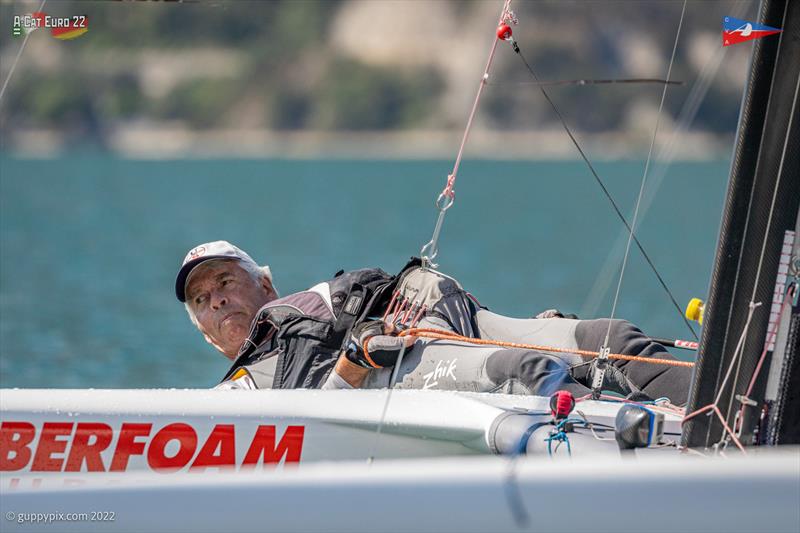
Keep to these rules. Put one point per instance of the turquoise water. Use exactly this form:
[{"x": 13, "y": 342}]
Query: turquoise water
[{"x": 89, "y": 246}]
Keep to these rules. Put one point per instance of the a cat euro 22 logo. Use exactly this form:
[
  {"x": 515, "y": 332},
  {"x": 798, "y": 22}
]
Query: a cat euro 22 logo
[
  {"x": 62, "y": 28},
  {"x": 737, "y": 31}
]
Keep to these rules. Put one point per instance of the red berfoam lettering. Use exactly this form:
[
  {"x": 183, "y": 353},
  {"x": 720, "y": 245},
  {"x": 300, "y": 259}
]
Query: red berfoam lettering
[
  {"x": 127, "y": 445},
  {"x": 49, "y": 444},
  {"x": 222, "y": 437},
  {"x": 83, "y": 450},
  {"x": 156, "y": 453},
  {"x": 263, "y": 445},
  {"x": 15, "y": 438}
]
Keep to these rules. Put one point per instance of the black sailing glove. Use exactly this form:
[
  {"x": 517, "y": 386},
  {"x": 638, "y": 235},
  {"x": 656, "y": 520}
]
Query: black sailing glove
[{"x": 374, "y": 344}]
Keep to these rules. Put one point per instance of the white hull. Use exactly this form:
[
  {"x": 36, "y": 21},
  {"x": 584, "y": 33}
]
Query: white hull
[
  {"x": 659, "y": 493},
  {"x": 80, "y": 457},
  {"x": 141, "y": 430}
]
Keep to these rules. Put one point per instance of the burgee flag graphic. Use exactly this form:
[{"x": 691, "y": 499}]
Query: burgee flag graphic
[
  {"x": 737, "y": 30},
  {"x": 70, "y": 32}
]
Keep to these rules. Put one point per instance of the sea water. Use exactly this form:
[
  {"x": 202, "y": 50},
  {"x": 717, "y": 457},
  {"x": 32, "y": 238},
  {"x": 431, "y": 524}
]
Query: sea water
[{"x": 90, "y": 245}]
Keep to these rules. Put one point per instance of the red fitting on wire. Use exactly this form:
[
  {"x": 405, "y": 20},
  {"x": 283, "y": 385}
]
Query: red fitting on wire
[
  {"x": 504, "y": 32},
  {"x": 448, "y": 189},
  {"x": 561, "y": 404}
]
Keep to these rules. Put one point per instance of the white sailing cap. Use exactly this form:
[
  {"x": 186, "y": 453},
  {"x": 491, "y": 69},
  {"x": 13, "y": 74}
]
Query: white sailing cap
[{"x": 204, "y": 252}]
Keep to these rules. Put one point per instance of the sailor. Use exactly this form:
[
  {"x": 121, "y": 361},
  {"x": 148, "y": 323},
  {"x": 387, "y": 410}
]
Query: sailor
[
  {"x": 288, "y": 342},
  {"x": 317, "y": 338}
]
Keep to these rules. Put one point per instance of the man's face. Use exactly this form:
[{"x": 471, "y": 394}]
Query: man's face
[{"x": 224, "y": 298}]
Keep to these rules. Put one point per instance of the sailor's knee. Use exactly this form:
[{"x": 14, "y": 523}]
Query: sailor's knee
[
  {"x": 620, "y": 325},
  {"x": 622, "y": 329},
  {"x": 522, "y": 364}
]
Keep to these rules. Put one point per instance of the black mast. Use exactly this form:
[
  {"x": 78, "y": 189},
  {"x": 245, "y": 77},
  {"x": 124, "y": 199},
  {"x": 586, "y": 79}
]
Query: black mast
[{"x": 767, "y": 155}]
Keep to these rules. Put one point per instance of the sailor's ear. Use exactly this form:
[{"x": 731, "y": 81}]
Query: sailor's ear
[{"x": 267, "y": 284}]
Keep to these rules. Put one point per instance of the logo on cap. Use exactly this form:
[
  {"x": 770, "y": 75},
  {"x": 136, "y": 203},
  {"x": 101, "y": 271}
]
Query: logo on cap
[{"x": 197, "y": 252}]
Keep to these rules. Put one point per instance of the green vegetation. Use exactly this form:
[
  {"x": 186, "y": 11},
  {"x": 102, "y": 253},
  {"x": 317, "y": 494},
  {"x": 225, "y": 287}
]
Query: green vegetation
[
  {"x": 276, "y": 65},
  {"x": 358, "y": 97},
  {"x": 202, "y": 103}
]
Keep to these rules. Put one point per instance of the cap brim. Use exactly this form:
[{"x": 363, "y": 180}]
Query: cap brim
[{"x": 183, "y": 273}]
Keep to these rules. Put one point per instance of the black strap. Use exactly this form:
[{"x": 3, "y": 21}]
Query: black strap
[{"x": 351, "y": 310}]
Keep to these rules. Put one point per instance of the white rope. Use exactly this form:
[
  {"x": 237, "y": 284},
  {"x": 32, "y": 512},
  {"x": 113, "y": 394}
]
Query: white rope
[
  {"x": 644, "y": 178},
  {"x": 16, "y": 59},
  {"x": 737, "y": 351}
]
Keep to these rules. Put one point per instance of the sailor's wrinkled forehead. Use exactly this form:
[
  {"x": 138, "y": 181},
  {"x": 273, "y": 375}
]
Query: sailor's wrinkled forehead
[{"x": 211, "y": 271}]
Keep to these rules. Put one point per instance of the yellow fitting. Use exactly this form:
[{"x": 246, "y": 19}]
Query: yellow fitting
[{"x": 695, "y": 310}]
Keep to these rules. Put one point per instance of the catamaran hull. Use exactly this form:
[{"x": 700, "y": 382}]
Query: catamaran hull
[
  {"x": 656, "y": 493},
  {"x": 69, "y": 436},
  {"x": 298, "y": 460}
]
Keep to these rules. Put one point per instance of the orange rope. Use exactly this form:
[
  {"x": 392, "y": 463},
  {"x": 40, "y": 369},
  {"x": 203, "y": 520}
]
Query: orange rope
[
  {"x": 431, "y": 333},
  {"x": 366, "y": 353}
]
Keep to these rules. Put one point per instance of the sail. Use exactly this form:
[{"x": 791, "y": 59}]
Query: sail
[{"x": 761, "y": 206}]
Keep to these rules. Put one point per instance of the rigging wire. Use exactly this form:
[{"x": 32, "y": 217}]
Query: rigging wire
[
  {"x": 714, "y": 407},
  {"x": 604, "y": 350},
  {"x": 644, "y": 178},
  {"x": 381, "y": 421},
  {"x": 16, "y": 59},
  {"x": 728, "y": 434},
  {"x": 605, "y": 189},
  {"x": 443, "y": 203},
  {"x": 665, "y": 156},
  {"x": 445, "y": 199},
  {"x": 447, "y": 196},
  {"x": 763, "y": 247},
  {"x": 555, "y": 83},
  {"x": 772, "y": 203}
]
